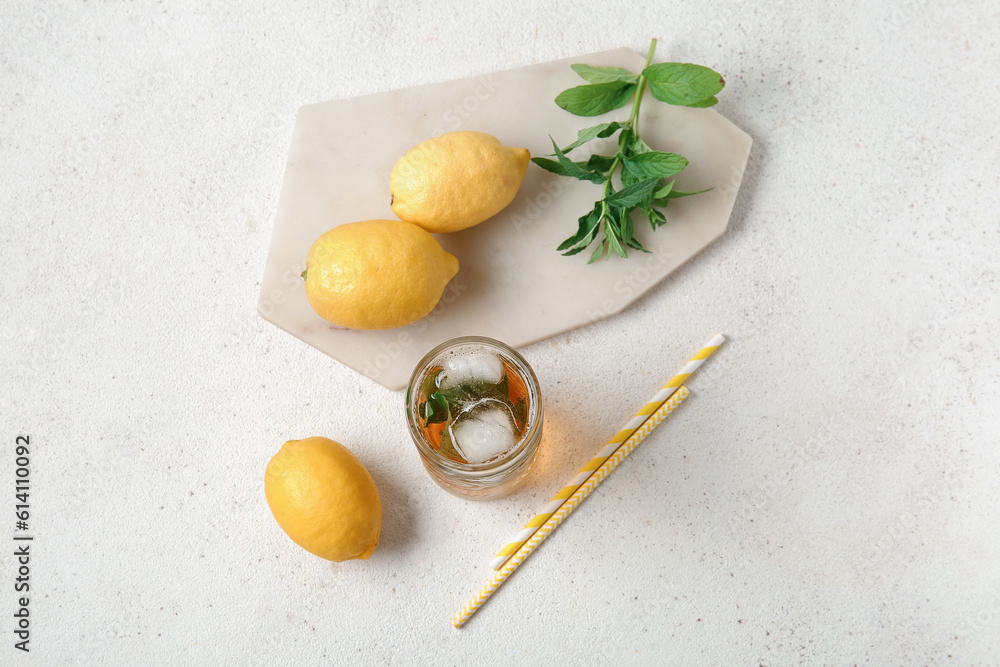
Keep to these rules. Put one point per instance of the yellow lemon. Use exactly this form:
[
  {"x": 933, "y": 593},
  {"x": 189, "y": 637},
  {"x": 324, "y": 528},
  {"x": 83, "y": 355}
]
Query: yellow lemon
[
  {"x": 376, "y": 274},
  {"x": 324, "y": 498},
  {"x": 456, "y": 180}
]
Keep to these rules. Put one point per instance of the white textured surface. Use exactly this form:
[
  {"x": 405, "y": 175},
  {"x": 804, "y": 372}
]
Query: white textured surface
[{"x": 827, "y": 496}]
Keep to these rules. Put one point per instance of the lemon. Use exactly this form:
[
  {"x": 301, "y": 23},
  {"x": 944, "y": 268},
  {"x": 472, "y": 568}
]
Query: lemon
[
  {"x": 456, "y": 180},
  {"x": 376, "y": 274},
  {"x": 324, "y": 498}
]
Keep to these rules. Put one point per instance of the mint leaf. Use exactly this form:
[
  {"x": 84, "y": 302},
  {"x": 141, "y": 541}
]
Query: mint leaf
[
  {"x": 677, "y": 194},
  {"x": 597, "y": 253},
  {"x": 587, "y": 134},
  {"x": 643, "y": 170},
  {"x": 664, "y": 191},
  {"x": 572, "y": 169},
  {"x": 629, "y": 178},
  {"x": 596, "y": 98},
  {"x": 582, "y": 244},
  {"x": 587, "y": 224},
  {"x": 626, "y": 229},
  {"x": 436, "y": 409},
  {"x": 615, "y": 246},
  {"x": 520, "y": 413},
  {"x": 448, "y": 448},
  {"x": 554, "y": 167},
  {"x": 568, "y": 168},
  {"x": 655, "y": 164},
  {"x": 604, "y": 74},
  {"x": 503, "y": 389},
  {"x": 704, "y": 104},
  {"x": 634, "y": 195},
  {"x": 639, "y": 146},
  {"x": 599, "y": 162},
  {"x": 656, "y": 218},
  {"x": 682, "y": 83}
]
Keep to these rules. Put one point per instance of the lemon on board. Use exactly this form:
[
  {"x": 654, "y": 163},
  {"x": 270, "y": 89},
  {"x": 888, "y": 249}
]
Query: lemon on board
[
  {"x": 456, "y": 180},
  {"x": 324, "y": 498},
  {"x": 376, "y": 274}
]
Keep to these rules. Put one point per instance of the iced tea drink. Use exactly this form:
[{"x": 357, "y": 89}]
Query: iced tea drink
[{"x": 474, "y": 411}]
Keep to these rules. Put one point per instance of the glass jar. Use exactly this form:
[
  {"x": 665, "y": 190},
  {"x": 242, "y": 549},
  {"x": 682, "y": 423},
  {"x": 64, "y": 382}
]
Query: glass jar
[{"x": 432, "y": 422}]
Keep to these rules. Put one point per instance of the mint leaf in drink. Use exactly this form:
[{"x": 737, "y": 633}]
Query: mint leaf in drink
[
  {"x": 596, "y": 98},
  {"x": 520, "y": 413},
  {"x": 604, "y": 74},
  {"x": 448, "y": 447},
  {"x": 435, "y": 409},
  {"x": 682, "y": 83}
]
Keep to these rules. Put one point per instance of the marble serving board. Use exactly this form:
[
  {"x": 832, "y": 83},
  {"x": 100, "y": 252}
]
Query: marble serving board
[{"x": 512, "y": 284}]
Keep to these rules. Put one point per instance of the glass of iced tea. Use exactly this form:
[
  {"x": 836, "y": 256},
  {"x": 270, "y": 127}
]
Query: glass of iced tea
[{"x": 474, "y": 410}]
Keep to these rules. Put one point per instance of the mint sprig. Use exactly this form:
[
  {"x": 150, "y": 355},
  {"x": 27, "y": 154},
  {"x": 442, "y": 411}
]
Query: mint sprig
[
  {"x": 646, "y": 177},
  {"x": 437, "y": 405}
]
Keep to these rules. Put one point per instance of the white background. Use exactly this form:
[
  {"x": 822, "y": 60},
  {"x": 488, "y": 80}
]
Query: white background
[{"x": 827, "y": 496}]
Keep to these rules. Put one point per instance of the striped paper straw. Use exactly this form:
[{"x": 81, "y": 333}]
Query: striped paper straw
[
  {"x": 571, "y": 503},
  {"x": 608, "y": 449}
]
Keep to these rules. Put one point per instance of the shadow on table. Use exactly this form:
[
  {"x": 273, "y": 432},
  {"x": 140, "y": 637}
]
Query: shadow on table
[{"x": 398, "y": 520}]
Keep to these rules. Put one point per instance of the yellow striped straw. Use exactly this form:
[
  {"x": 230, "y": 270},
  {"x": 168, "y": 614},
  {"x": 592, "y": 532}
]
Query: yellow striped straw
[
  {"x": 608, "y": 449},
  {"x": 571, "y": 503}
]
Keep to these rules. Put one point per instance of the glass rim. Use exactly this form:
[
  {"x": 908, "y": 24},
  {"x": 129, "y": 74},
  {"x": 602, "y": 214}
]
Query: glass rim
[{"x": 509, "y": 459}]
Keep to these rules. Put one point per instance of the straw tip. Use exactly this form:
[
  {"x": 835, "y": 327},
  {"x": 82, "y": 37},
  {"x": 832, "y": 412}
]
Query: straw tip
[{"x": 499, "y": 562}]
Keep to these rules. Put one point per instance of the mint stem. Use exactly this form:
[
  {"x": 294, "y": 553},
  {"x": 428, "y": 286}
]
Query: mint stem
[
  {"x": 633, "y": 118},
  {"x": 633, "y": 123}
]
